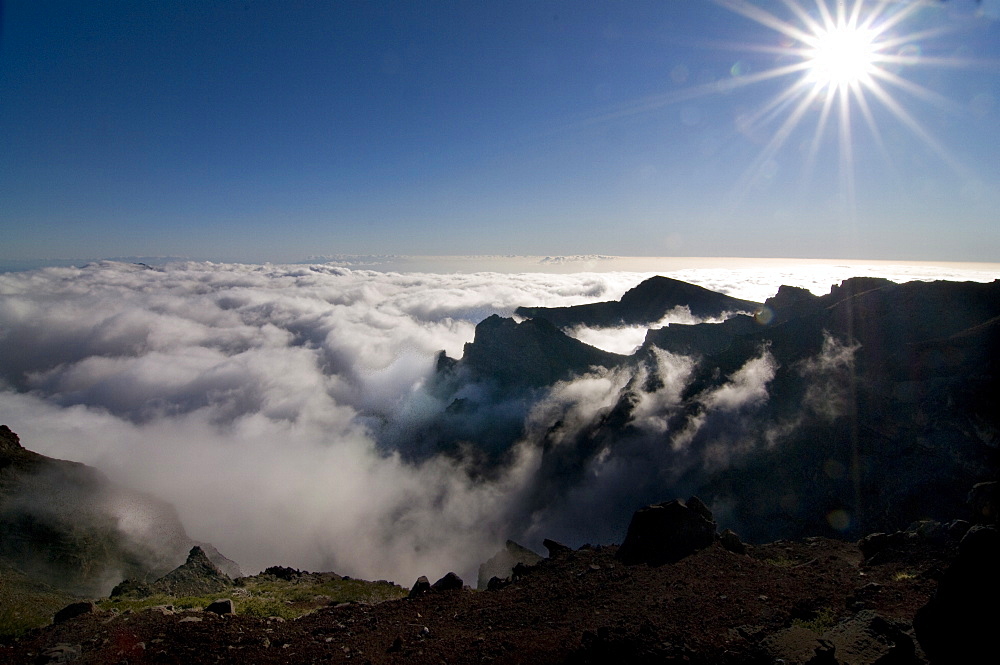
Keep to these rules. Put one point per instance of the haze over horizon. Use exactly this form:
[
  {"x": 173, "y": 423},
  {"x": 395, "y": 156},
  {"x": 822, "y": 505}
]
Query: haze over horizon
[{"x": 259, "y": 131}]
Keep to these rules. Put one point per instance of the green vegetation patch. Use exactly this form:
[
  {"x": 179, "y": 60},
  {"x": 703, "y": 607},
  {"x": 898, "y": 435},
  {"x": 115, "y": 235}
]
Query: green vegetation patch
[
  {"x": 25, "y": 603},
  {"x": 824, "y": 620},
  {"x": 268, "y": 596}
]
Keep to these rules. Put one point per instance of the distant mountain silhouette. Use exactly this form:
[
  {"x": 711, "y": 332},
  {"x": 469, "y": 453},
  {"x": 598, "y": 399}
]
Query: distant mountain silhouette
[{"x": 645, "y": 304}]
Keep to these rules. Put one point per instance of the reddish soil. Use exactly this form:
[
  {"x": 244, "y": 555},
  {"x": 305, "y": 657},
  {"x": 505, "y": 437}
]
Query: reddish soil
[{"x": 578, "y": 607}]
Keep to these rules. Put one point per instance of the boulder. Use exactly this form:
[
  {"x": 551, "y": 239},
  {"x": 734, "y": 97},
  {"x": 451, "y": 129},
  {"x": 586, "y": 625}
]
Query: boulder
[
  {"x": 958, "y": 623},
  {"x": 74, "y": 610},
  {"x": 420, "y": 587},
  {"x": 449, "y": 582},
  {"x": 221, "y": 606},
  {"x": 667, "y": 532},
  {"x": 985, "y": 501},
  {"x": 731, "y": 542}
]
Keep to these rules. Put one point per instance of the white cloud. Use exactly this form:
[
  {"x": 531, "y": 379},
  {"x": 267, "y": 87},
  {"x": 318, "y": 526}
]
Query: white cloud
[{"x": 253, "y": 399}]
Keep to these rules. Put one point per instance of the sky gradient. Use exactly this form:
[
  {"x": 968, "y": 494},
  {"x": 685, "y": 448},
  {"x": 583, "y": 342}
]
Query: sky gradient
[{"x": 273, "y": 131}]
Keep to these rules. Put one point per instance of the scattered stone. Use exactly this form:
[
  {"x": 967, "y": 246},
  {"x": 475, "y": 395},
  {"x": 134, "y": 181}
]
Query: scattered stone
[
  {"x": 164, "y": 610},
  {"x": 502, "y": 563},
  {"x": 61, "y": 653},
  {"x": 191, "y": 620},
  {"x": 222, "y": 606},
  {"x": 420, "y": 587},
  {"x": 868, "y": 638},
  {"x": 792, "y": 646},
  {"x": 666, "y": 533},
  {"x": 74, "y": 610},
  {"x": 496, "y": 583},
  {"x": 449, "y": 582}
]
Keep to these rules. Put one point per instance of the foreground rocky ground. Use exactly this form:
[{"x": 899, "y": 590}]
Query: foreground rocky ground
[{"x": 816, "y": 600}]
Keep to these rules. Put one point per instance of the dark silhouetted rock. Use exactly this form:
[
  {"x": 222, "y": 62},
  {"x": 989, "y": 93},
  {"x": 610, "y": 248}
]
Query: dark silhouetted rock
[
  {"x": 9, "y": 441},
  {"x": 497, "y": 583},
  {"x": 555, "y": 548},
  {"x": 730, "y": 541},
  {"x": 698, "y": 506},
  {"x": 700, "y": 339},
  {"x": 644, "y": 304},
  {"x": 985, "y": 501},
  {"x": 449, "y": 582},
  {"x": 283, "y": 572},
  {"x": 666, "y": 533},
  {"x": 501, "y": 564},
  {"x": 959, "y": 623},
  {"x": 221, "y": 606},
  {"x": 420, "y": 587},
  {"x": 74, "y": 610},
  {"x": 533, "y": 353}
]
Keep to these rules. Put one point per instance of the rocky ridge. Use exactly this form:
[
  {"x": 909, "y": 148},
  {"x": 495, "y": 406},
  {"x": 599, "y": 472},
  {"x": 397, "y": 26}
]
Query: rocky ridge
[{"x": 644, "y": 304}]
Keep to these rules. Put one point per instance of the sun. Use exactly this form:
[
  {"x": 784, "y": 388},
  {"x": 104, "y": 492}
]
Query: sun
[
  {"x": 841, "y": 56},
  {"x": 844, "y": 61}
]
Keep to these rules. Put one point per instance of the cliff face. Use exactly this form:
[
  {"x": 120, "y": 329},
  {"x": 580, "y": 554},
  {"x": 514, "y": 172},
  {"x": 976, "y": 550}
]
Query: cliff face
[
  {"x": 66, "y": 524},
  {"x": 533, "y": 353}
]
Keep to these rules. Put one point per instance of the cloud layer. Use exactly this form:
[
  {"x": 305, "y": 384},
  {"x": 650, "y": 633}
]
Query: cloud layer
[{"x": 268, "y": 404}]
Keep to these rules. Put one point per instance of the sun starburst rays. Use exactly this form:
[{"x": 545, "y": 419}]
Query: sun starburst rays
[{"x": 846, "y": 58}]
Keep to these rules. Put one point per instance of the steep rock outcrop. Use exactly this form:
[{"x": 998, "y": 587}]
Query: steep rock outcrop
[
  {"x": 67, "y": 525},
  {"x": 533, "y": 353},
  {"x": 644, "y": 304},
  {"x": 667, "y": 532}
]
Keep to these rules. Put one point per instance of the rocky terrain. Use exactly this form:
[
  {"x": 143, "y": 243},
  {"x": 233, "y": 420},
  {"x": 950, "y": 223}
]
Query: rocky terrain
[{"x": 816, "y": 601}]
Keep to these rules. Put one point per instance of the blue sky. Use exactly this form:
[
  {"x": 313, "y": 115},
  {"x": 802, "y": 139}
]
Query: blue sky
[{"x": 266, "y": 130}]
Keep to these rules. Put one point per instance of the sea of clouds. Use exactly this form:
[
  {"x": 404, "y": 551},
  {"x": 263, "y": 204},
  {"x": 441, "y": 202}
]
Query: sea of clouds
[{"x": 255, "y": 398}]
